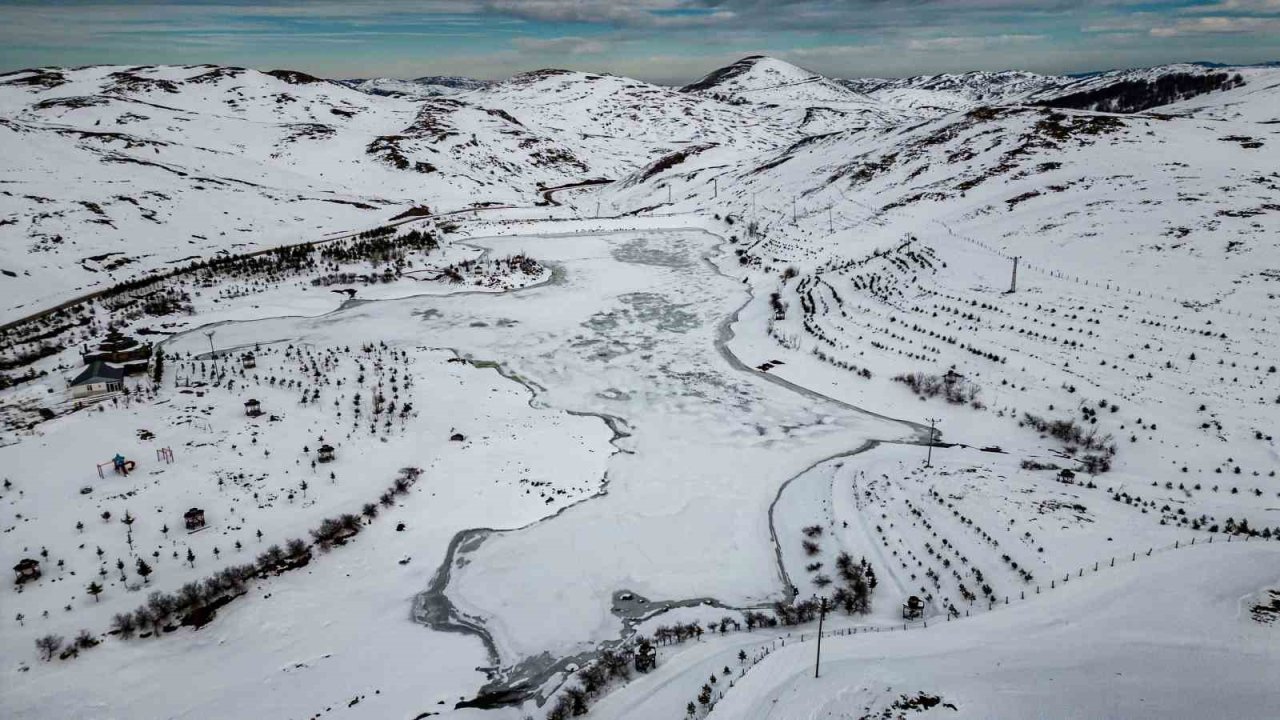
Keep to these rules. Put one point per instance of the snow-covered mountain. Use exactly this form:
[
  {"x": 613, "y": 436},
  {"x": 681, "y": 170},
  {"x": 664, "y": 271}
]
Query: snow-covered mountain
[
  {"x": 955, "y": 91},
  {"x": 240, "y": 159},
  {"x": 417, "y": 88},
  {"x": 1166, "y": 88},
  {"x": 798, "y": 97},
  {"x": 720, "y": 316},
  {"x": 764, "y": 80}
]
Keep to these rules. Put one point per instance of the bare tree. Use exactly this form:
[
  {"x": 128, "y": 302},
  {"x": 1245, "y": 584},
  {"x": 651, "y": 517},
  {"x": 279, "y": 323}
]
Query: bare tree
[{"x": 49, "y": 644}]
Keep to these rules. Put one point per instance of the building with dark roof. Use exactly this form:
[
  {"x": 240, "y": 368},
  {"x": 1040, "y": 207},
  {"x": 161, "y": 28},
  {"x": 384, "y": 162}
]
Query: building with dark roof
[
  {"x": 99, "y": 378},
  {"x": 122, "y": 350}
]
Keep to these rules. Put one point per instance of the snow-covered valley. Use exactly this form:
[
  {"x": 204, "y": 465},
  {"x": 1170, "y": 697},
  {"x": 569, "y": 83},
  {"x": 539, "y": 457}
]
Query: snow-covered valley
[{"x": 484, "y": 394}]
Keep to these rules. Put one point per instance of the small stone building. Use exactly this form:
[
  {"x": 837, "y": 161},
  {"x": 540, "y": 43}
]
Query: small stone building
[{"x": 252, "y": 408}]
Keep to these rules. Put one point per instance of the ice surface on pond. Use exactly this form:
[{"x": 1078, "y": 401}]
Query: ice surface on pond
[
  {"x": 686, "y": 513},
  {"x": 686, "y": 509},
  {"x": 673, "y": 254}
]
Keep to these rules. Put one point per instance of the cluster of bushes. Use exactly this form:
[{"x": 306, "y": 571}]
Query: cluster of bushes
[
  {"x": 859, "y": 582},
  {"x": 195, "y": 602},
  {"x": 595, "y": 678},
  {"x": 951, "y": 387},
  {"x": 779, "y": 307},
  {"x": 387, "y": 149},
  {"x": 43, "y": 336},
  {"x": 511, "y": 264},
  {"x": 666, "y": 162},
  {"x": 667, "y": 634},
  {"x": 49, "y": 645},
  {"x": 335, "y": 531},
  {"x": 842, "y": 364},
  {"x": 406, "y": 479},
  {"x": 1099, "y": 450},
  {"x": 351, "y": 278},
  {"x": 379, "y": 246},
  {"x": 788, "y": 614},
  {"x": 192, "y": 604},
  {"x": 1131, "y": 96}
]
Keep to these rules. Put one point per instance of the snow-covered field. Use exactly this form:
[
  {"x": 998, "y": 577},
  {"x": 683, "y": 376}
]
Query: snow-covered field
[{"x": 585, "y": 412}]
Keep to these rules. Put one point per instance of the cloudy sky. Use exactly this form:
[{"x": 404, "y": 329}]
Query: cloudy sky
[{"x": 656, "y": 40}]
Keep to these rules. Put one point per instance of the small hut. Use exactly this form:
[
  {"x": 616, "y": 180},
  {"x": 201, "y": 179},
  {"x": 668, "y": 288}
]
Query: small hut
[
  {"x": 912, "y": 608},
  {"x": 248, "y": 361},
  {"x": 27, "y": 569},
  {"x": 646, "y": 657},
  {"x": 100, "y": 378},
  {"x": 194, "y": 518},
  {"x": 252, "y": 408},
  {"x": 325, "y": 454},
  {"x": 457, "y": 437}
]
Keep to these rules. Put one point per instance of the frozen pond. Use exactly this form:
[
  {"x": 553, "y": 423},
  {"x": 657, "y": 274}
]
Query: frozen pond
[{"x": 630, "y": 328}]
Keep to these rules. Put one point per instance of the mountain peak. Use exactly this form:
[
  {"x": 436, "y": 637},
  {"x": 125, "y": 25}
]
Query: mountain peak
[{"x": 751, "y": 72}]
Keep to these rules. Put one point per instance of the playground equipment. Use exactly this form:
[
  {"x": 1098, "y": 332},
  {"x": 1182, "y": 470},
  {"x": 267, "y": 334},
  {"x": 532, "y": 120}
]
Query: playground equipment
[{"x": 119, "y": 464}]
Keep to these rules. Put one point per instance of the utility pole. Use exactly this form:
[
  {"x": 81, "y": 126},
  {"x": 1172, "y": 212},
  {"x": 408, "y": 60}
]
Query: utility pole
[
  {"x": 597, "y": 209},
  {"x": 210, "y": 336},
  {"x": 822, "y": 615},
  {"x": 831, "y": 226},
  {"x": 668, "y": 193},
  {"x": 793, "y": 209},
  {"x": 715, "y": 187},
  {"x": 1013, "y": 284},
  {"x": 928, "y": 462}
]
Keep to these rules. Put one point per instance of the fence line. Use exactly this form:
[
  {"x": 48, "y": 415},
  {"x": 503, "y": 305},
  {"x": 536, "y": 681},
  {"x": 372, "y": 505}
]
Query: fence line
[{"x": 923, "y": 623}]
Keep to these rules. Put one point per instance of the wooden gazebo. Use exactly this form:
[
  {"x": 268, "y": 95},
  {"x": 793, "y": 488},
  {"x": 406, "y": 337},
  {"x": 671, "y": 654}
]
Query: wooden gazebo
[
  {"x": 912, "y": 608},
  {"x": 194, "y": 518},
  {"x": 27, "y": 569},
  {"x": 325, "y": 454},
  {"x": 252, "y": 408}
]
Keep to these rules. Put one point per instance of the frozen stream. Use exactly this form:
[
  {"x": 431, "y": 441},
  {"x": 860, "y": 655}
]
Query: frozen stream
[{"x": 634, "y": 328}]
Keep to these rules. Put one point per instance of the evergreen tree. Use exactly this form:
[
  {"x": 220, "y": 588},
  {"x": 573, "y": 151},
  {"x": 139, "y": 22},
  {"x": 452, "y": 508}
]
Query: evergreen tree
[{"x": 143, "y": 570}]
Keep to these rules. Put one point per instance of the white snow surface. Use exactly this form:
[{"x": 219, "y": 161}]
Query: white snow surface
[{"x": 697, "y": 371}]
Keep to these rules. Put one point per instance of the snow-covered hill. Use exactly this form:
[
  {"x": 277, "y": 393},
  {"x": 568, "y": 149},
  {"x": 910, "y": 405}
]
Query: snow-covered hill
[
  {"x": 798, "y": 97},
  {"x": 417, "y": 88},
  {"x": 724, "y": 319},
  {"x": 955, "y": 91},
  {"x": 155, "y": 165}
]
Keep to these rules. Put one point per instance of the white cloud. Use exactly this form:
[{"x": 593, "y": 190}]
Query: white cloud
[
  {"x": 969, "y": 42},
  {"x": 561, "y": 45},
  {"x": 1217, "y": 25},
  {"x": 1256, "y": 7}
]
